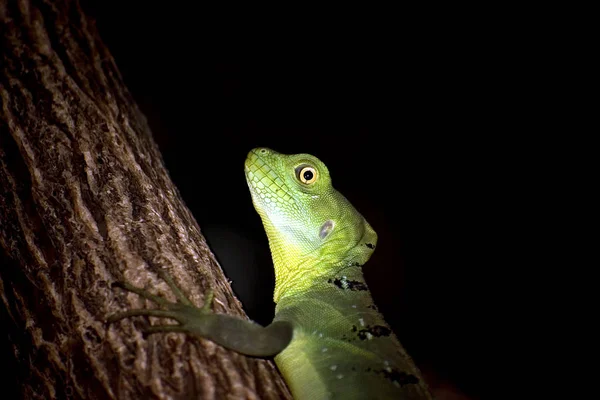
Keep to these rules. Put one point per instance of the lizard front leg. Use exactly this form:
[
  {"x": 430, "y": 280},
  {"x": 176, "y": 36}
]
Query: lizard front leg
[{"x": 234, "y": 333}]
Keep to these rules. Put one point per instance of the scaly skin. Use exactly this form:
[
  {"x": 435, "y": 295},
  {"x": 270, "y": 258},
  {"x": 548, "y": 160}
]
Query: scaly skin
[
  {"x": 342, "y": 347},
  {"x": 327, "y": 337}
]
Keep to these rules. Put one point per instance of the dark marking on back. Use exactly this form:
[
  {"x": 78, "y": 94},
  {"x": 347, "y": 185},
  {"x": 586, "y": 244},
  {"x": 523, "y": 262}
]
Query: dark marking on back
[
  {"x": 401, "y": 377},
  {"x": 373, "y": 307},
  {"x": 374, "y": 331},
  {"x": 352, "y": 336},
  {"x": 370, "y": 245},
  {"x": 380, "y": 330},
  {"x": 346, "y": 284}
]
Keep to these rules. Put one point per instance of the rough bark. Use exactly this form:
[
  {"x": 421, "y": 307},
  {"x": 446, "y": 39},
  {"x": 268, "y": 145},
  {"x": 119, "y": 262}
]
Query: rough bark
[{"x": 85, "y": 200}]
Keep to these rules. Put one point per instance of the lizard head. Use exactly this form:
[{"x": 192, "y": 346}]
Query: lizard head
[{"x": 312, "y": 228}]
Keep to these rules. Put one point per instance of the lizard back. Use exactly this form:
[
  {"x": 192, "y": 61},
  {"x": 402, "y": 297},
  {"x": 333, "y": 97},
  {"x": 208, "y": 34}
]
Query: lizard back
[{"x": 342, "y": 347}]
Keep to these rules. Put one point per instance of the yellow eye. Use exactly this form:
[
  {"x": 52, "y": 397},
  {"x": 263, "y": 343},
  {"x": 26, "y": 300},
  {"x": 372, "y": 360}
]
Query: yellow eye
[{"x": 306, "y": 174}]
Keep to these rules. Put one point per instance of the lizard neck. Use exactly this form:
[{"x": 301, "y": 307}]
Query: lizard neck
[
  {"x": 314, "y": 275},
  {"x": 297, "y": 272},
  {"x": 299, "y": 277}
]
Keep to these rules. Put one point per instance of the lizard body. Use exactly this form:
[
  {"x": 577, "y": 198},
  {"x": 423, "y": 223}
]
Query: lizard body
[{"x": 328, "y": 339}]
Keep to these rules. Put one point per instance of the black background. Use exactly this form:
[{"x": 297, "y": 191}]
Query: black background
[{"x": 415, "y": 114}]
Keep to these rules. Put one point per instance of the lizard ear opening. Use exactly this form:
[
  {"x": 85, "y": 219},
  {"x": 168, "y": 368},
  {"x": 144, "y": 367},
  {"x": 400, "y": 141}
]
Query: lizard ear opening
[{"x": 326, "y": 229}]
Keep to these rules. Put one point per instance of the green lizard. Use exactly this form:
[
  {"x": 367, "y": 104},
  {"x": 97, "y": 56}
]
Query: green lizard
[{"x": 327, "y": 338}]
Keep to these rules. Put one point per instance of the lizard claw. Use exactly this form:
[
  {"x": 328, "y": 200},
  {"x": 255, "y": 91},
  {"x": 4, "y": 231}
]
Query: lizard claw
[{"x": 178, "y": 310}]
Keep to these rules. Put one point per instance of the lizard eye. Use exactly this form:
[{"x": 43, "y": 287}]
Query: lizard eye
[{"x": 306, "y": 174}]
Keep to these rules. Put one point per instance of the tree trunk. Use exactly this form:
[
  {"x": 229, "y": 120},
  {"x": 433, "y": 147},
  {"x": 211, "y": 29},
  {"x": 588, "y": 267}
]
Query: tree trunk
[{"x": 85, "y": 200}]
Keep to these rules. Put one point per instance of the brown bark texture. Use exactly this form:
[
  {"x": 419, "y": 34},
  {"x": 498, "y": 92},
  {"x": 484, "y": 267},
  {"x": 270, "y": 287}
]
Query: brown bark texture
[{"x": 85, "y": 200}]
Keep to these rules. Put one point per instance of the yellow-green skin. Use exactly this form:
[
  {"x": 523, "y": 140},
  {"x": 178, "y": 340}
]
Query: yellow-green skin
[
  {"x": 341, "y": 346},
  {"x": 327, "y": 337}
]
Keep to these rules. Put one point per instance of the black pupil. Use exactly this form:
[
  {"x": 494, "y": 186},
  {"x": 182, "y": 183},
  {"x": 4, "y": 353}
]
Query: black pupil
[{"x": 308, "y": 175}]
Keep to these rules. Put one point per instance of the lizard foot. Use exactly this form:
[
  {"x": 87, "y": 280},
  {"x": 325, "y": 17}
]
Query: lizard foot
[
  {"x": 183, "y": 310},
  {"x": 229, "y": 331}
]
